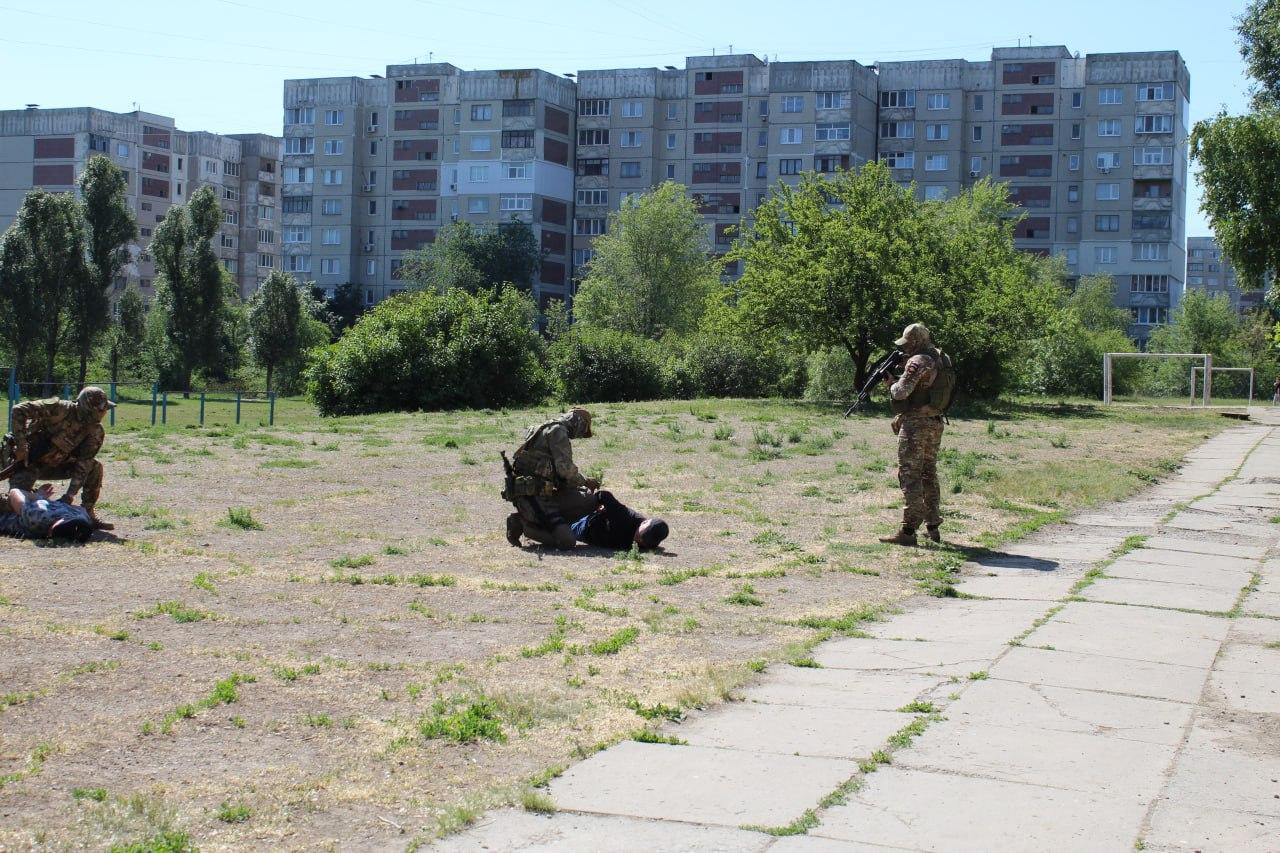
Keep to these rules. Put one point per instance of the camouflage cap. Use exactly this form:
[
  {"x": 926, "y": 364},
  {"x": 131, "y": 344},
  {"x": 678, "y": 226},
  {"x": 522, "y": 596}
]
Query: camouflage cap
[
  {"x": 94, "y": 398},
  {"x": 581, "y": 419},
  {"x": 917, "y": 334}
]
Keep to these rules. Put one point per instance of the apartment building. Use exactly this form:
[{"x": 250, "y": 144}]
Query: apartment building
[
  {"x": 1093, "y": 150},
  {"x": 1209, "y": 270},
  {"x": 163, "y": 165},
  {"x": 373, "y": 167}
]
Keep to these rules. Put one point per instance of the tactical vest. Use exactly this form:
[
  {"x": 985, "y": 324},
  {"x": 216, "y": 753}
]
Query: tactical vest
[
  {"x": 937, "y": 393},
  {"x": 533, "y": 465}
]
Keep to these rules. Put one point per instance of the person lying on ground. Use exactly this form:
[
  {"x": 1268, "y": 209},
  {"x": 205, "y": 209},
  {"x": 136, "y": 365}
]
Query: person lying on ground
[
  {"x": 612, "y": 524},
  {"x": 35, "y": 515}
]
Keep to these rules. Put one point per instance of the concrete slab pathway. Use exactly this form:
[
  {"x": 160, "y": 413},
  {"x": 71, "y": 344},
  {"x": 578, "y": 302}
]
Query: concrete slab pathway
[{"x": 1085, "y": 694}]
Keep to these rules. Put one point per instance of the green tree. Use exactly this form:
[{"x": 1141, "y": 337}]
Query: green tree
[
  {"x": 344, "y": 308},
  {"x": 1259, "y": 30},
  {"x": 276, "y": 315},
  {"x": 109, "y": 227},
  {"x": 20, "y": 298},
  {"x": 1200, "y": 324},
  {"x": 128, "y": 333},
  {"x": 1094, "y": 303},
  {"x": 470, "y": 257},
  {"x": 191, "y": 291},
  {"x": 652, "y": 271}
]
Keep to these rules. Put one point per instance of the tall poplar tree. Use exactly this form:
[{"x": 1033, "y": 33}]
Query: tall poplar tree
[{"x": 110, "y": 226}]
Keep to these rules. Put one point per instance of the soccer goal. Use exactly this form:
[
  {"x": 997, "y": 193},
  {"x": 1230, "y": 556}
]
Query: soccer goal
[
  {"x": 1152, "y": 378},
  {"x": 1235, "y": 388}
]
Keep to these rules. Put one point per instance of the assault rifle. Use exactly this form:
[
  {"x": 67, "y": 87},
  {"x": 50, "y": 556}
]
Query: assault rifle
[{"x": 877, "y": 375}]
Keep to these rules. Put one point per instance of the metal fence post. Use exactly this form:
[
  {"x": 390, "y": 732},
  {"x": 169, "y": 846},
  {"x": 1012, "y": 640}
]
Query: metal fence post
[
  {"x": 271, "y": 421},
  {"x": 13, "y": 393},
  {"x": 113, "y": 399},
  {"x": 164, "y": 407},
  {"x": 237, "y": 407},
  {"x": 66, "y": 391},
  {"x": 201, "y": 408},
  {"x": 154, "y": 391}
]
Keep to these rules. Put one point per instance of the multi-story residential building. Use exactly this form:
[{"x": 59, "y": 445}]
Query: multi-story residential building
[
  {"x": 374, "y": 167},
  {"x": 1209, "y": 270},
  {"x": 163, "y": 165},
  {"x": 1093, "y": 149}
]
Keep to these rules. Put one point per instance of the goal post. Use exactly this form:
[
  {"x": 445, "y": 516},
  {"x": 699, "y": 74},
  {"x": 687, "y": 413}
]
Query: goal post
[
  {"x": 1199, "y": 371},
  {"x": 1108, "y": 360}
]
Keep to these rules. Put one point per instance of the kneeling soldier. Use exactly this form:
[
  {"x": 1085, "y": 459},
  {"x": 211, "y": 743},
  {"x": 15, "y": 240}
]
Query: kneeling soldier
[{"x": 549, "y": 490}]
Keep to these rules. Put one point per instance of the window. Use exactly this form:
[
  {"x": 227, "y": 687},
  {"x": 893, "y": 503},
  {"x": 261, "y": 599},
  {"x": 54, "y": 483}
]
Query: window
[
  {"x": 1108, "y": 160},
  {"x": 231, "y": 217},
  {"x": 588, "y": 227},
  {"x": 1162, "y": 156},
  {"x": 210, "y": 167},
  {"x": 975, "y": 166},
  {"x": 834, "y": 131},
  {"x": 1151, "y": 251},
  {"x": 373, "y": 177},
  {"x": 1106, "y": 222},
  {"x": 1073, "y": 225},
  {"x": 330, "y": 266},
  {"x": 335, "y": 117},
  {"x": 266, "y": 261},
  {"x": 227, "y": 241},
  {"x": 762, "y": 169},
  {"x": 331, "y": 236},
  {"x": 518, "y": 171},
  {"x": 631, "y": 138},
  {"x": 592, "y": 137},
  {"x": 1149, "y": 283},
  {"x": 1150, "y": 315},
  {"x": 791, "y": 135},
  {"x": 935, "y": 193},
  {"x": 298, "y": 263},
  {"x": 297, "y": 204},
  {"x": 1109, "y": 127},
  {"x": 594, "y": 107},
  {"x": 331, "y": 177},
  {"x": 937, "y": 131},
  {"x": 978, "y": 102},
  {"x": 481, "y": 112},
  {"x": 373, "y": 147},
  {"x": 764, "y": 107},
  {"x": 1104, "y": 254},
  {"x": 1153, "y": 124},
  {"x": 897, "y": 130},
  {"x": 1073, "y": 192},
  {"x": 457, "y": 115},
  {"x": 899, "y": 159},
  {"x": 333, "y": 146},
  {"x": 478, "y": 174},
  {"x": 632, "y": 109},
  {"x": 899, "y": 98},
  {"x": 1153, "y": 221},
  {"x": 583, "y": 256},
  {"x": 762, "y": 138},
  {"x": 1075, "y": 130},
  {"x": 1106, "y": 192},
  {"x": 792, "y": 103},
  {"x": 517, "y": 109},
  {"x": 1155, "y": 92},
  {"x": 671, "y": 141},
  {"x": 629, "y": 169},
  {"x": 790, "y": 167},
  {"x": 373, "y": 206},
  {"x": 331, "y": 206},
  {"x": 1073, "y": 162},
  {"x": 1073, "y": 256},
  {"x": 1110, "y": 95},
  {"x": 300, "y": 115},
  {"x": 1077, "y": 100},
  {"x": 938, "y": 102},
  {"x": 300, "y": 145},
  {"x": 589, "y": 166},
  {"x": 831, "y": 100},
  {"x": 935, "y": 162},
  {"x": 297, "y": 235},
  {"x": 523, "y": 138},
  {"x": 477, "y": 204},
  {"x": 263, "y": 212},
  {"x": 593, "y": 197},
  {"x": 673, "y": 111},
  {"x": 977, "y": 133},
  {"x": 671, "y": 170},
  {"x": 231, "y": 194},
  {"x": 481, "y": 143},
  {"x": 517, "y": 201}
]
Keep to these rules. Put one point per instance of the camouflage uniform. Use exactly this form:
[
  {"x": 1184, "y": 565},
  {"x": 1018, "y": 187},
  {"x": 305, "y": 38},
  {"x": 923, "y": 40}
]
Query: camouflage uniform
[
  {"x": 919, "y": 428},
  {"x": 561, "y": 494},
  {"x": 66, "y": 436}
]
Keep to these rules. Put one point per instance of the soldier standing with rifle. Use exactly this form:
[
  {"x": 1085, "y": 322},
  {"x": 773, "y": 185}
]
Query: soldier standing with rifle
[
  {"x": 919, "y": 398},
  {"x": 59, "y": 439}
]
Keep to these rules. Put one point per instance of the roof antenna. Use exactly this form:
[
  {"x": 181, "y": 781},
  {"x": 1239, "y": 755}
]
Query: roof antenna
[{"x": 730, "y": 48}]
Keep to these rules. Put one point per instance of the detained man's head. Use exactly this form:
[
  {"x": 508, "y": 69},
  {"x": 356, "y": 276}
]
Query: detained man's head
[
  {"x": 650, "y": 533},
  {"x": 71, "y": 529}
]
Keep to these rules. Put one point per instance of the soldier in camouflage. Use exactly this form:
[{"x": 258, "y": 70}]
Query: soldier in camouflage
[
  {"x": 551, "y": 491},
  {"x": 918, "y": 423},
  {"x": 60, "y": 440}
]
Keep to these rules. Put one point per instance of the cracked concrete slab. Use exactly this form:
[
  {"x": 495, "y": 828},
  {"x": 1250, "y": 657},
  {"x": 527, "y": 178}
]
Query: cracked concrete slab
[
  {"x": 792, "y": 730},
  {"x": 1105, "y": 674},
  {"x": 1254, "y": 692},
  {"x": 1133, "y": 633},
  {"x": 1231, "y": 580},
  {"x": 512, "y": 831},
  {"x": 1193, "y": 559},
  {"x": 839, "y": 688},
  {"x": 922, "y": 658},
  {"x": 1230, "y": 764},
  {"x": 1159, "y": 594},
  {"x": 1249, "y": 550},
  {"x": 1266, "y": 603},
  {"x": 967, "y": 621},
  {"x": 912, "y": 809},
  {"x": 1025, "y": 587},
  {"x": 1195, "y": 826},
  {"x": 698, "y": 784},
  {"x": 816, "y": 844}
]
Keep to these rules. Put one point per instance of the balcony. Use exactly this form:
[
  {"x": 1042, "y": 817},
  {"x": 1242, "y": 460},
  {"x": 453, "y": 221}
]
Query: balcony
[
  {"x": 1152, "y": 203},
  {"x": 1152, "y": 172},
  {"x": 266, "y": 176}
]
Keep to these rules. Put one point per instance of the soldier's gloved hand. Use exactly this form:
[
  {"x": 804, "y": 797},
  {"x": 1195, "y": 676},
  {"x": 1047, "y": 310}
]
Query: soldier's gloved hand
[{"x": 67, "y": 499}]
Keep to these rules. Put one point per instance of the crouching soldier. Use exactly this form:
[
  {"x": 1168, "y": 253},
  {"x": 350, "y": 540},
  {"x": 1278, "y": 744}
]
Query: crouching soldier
[
  {"x": 546, "y": 486},
  {"x": 59, "y": 440}
]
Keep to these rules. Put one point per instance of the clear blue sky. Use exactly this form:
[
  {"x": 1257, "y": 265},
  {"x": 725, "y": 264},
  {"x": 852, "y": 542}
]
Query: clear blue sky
[{"x": 217, "y": 64}]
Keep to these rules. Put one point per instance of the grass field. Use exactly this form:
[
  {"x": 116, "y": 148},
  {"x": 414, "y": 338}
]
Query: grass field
[{"x": 316, "y": 636}]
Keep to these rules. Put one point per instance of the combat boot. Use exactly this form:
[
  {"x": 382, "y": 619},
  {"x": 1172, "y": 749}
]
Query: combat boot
[
  {"x": 515, "y": 527},
  {"x": 933, "y": 533},
  {"x": 905, "y": 536},
  {"x": 98, "y": 524}
]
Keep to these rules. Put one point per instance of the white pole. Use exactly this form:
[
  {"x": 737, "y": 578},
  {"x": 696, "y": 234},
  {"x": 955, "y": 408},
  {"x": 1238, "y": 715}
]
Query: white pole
[
  {"x": 1192, "y": 400},
  {"x": 1106, "y": 379},
  {"x": 1208, "y": 377},
  {"x": 1250, "y": 388}
]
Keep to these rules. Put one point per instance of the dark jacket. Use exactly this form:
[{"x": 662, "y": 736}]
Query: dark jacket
[{"x": 611, "y": 525}]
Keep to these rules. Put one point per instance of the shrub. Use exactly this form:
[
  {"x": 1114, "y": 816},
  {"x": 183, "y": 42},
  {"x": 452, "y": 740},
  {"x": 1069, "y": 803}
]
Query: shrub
[
  {"x": 721, "y": 366},
  {"x": 427, "y": 350},
  {"x": 1068, "y": 359},
  {"x": 831, "y": 375},
  {"x": 603, "y": 365}
]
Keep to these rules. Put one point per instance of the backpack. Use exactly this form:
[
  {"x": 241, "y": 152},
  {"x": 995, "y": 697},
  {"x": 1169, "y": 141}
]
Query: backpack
[{"x": 942, "y": 391}]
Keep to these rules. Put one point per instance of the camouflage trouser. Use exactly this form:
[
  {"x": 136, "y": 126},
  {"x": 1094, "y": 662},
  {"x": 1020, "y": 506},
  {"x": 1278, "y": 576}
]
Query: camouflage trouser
[
  {"x": 26, "y": 479},
  {"x": 547, "y": 519},
  {"x": 918, "y": 443}
]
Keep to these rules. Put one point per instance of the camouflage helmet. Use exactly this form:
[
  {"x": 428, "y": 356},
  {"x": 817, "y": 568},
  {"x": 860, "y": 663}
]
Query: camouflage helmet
[
  {"x": 916, "y": 335},
  {"x": 580, "y": 423},
  {"x": 93, "y": 399}
]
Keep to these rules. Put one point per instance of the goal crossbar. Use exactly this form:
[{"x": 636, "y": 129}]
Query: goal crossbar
[
  {"x": 1107, "y": 357},
  {"x": 1199, "y": 370}
]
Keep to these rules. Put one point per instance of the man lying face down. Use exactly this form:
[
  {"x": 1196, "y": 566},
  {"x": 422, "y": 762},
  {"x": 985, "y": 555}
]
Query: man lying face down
[
  {"x": 33, "y": 515},
  {"x": 614, "y": 525}
]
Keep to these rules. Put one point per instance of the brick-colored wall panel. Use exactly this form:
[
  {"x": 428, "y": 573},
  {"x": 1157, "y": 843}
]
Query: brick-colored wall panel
[
  {"x": 55, "y": 148},
  {"x": 556, "y": 121},
  {"x": 555, "y": 212},
  {"x": 52, "y": 175}
]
